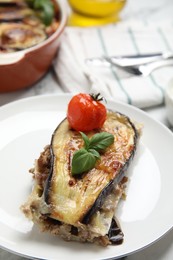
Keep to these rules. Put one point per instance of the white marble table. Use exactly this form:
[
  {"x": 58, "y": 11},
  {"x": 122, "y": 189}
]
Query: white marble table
[{"x": 150, "y": 11}]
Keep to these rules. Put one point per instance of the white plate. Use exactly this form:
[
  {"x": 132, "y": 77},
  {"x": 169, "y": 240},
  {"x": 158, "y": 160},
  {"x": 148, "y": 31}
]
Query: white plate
[{"x": 147, "y": 214}]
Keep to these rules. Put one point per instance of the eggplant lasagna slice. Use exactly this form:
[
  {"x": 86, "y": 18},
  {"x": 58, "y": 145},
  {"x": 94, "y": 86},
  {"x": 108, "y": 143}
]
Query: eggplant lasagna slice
[{"x": 82, "y": 208}]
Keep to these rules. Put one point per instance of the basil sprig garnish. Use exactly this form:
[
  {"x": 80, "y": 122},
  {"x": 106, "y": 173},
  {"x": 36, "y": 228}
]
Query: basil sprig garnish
[
  {"x": 85, "y": 158},
  {"x": 44, "y": 8}
]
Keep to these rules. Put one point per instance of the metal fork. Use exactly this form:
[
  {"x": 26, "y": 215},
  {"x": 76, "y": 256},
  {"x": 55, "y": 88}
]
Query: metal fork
[{"x": 141, "y": 70}]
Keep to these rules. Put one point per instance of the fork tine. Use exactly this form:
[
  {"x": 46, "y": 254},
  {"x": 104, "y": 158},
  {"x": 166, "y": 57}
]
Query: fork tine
[
  {"x": 131, "y": 70},
  {"x": 134, "y": 71}
]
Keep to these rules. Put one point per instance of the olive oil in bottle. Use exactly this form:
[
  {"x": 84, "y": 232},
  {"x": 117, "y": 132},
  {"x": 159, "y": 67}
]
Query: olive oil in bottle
[{"x": 94, "y": 12}]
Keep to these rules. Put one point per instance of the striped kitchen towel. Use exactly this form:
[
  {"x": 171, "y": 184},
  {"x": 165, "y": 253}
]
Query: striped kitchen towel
[{"x": 79, "y": 44}]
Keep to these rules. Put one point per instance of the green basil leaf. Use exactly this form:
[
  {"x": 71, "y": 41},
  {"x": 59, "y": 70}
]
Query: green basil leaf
[
  {"x": 82, "y": 161},
  {"x": 101, "y": 141},
  {"x": 45, "y": 9},
  {"x": 47, "y": 13},
  {"x": 86, "y": 140},
  {"x": 38, "y": 3},
  {"x": 95, "y": 153}
]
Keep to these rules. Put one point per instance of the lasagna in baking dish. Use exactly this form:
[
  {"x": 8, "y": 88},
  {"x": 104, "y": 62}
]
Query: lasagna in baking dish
[
  {"x": 82, "y": 207},
  {"x": 26, "y": 23}
]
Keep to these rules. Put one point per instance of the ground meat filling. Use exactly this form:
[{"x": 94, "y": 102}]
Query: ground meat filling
[{"x": 42, "y": 167}]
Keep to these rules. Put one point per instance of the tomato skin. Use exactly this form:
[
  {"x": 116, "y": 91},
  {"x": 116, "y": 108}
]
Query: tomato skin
[{"x": 85, "y": 114}]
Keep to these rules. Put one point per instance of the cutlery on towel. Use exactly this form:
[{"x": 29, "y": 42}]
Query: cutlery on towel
[
  {"x": 129, "y": 60},
  {"x": 144, "y": 65},
  {"x": 144, "y": 69}
]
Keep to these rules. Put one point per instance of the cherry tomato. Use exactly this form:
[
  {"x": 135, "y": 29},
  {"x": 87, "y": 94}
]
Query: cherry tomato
[{"x": 86, "y": 112}]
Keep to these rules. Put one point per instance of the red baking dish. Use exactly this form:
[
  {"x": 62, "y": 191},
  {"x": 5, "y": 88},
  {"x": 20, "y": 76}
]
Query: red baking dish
[{"x": 23, "y": 68}]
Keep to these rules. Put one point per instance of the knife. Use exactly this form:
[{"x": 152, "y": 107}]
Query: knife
[{"x": 129, "y": 60}]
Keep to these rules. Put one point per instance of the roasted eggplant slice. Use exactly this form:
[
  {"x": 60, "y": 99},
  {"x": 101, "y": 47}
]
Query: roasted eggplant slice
[
  {"x": 20, "y": 36},
  {"x": 75, "y": 200},
  {"x": 14, "y": 14},
  {"x": 11, "y": 3},
  {"x": 13, "y": 11},
  {"x": 115, "y": 233}
]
